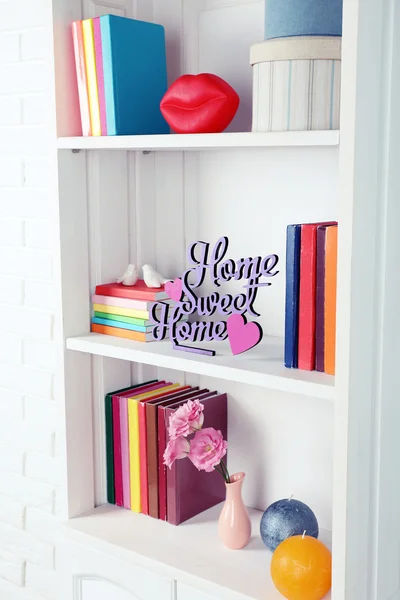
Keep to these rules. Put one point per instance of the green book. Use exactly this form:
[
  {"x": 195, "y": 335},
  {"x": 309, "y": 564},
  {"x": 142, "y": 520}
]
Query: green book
[
  {"x": 131, "y": 320},
  {"x": 110, "y": 439}
]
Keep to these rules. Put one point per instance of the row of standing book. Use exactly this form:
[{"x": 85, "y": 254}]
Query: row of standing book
[
  {"x": 124, "y": 311},
  {"x": 121, "y": 74},
  {"x": 311, "y": 281},
  {"x": 137, "y": 421}
]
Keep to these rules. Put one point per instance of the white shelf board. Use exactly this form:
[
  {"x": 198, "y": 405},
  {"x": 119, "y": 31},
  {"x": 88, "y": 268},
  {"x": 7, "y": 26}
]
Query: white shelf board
[
  {"x": 190, "y": 553},
  {"x": 262, "y": 366},
  {"x": 204, "y": 141}
]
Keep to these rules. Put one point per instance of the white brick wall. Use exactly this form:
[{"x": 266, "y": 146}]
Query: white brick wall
[{"x": 29, "y": 474}]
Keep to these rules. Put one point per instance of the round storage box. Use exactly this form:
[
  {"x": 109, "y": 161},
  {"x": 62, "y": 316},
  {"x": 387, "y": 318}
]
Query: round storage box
[
  {"x": 285, "y": 18},
  {"x": 296, "y": 83}
]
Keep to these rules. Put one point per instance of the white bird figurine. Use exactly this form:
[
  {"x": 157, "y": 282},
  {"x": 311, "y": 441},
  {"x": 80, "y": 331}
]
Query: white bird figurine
[
  {"x": 153, "y": 279},
  {"x": 130, "y": 276}
]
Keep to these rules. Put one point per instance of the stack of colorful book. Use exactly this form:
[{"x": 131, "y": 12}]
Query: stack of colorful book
[
  {"x": 311, "y": 275},
  {"x": 124, "y": 311},
  {"x": 122, "y": 75},
  {"x": 137, "y": 421}
]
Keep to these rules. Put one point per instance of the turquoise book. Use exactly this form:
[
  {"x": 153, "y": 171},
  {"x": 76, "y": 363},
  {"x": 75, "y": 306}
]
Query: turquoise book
[
  {"x": 135, "y": 75},
  {"x": 121, "y": 325}
]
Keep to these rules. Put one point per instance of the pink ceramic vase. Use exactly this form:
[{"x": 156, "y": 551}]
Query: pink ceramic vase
[{"x": 234, "y": 525}]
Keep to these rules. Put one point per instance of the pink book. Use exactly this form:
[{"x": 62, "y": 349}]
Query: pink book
[
  {"x": 119, "y": 499},
  {"x": 100, "y": 74},
  {"x": 126, "y": 479},
  {"x": 123, "y": 302},
  {"x": 117, "y": 435},
  {"x": 80, "y": 65}
]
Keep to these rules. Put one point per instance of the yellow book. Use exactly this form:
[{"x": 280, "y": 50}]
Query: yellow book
[
  {"x": 124, "y": 312},
  {"x": 134, "y": 443},
  {"x": 91, "y": 74}
]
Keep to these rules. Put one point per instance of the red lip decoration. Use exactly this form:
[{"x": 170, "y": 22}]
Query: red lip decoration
[{"x": 202, "y": 103}]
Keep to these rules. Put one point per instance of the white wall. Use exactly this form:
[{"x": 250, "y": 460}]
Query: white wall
[{"x": 28, "y": 467}]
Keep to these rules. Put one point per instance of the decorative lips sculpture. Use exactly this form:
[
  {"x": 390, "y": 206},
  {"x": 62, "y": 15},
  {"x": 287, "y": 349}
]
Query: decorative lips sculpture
[{"x": 202, "y": 103}]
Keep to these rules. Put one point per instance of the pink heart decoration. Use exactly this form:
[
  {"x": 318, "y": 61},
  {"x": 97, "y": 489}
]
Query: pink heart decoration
[
  {"x": 174, "y": 289},
  {"x": 242, "y": 336}
]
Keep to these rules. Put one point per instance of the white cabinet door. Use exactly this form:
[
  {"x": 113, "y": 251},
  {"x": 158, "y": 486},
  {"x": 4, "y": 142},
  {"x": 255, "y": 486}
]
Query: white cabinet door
[
  {"x": 187, "y": 593},
  {"x": 86, "y": 574}
]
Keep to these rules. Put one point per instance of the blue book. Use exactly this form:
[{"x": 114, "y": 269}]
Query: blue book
[
  {"x": 293, "y": 239},
  {"x": 135, "y": 75},
  {"x": 121, "y": 325}
]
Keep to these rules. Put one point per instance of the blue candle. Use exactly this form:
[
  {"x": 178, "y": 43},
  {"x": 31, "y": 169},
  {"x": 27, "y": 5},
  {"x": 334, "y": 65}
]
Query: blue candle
[
  {"x": 285, "y": 18},
  {"x": 286, "y": 518}
]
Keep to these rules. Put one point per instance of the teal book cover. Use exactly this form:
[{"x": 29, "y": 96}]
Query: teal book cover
[{"x": 135, "y": 76}]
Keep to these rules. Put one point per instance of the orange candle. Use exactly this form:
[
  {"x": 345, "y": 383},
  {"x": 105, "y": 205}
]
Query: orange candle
[{"x": 301, "y": 568}]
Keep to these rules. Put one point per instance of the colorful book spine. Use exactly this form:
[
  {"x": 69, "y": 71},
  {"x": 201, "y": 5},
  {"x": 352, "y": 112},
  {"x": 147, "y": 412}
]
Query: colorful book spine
[
  {"x": 126, "y": 482},
  {"x": 126, "y": 467},
  {"x": 139, "y": 291},
  {"x": 132, "y": 320},
  {"x": 320, "y": 301},
  {"x": 80, "y": 63},
  {"x": 306, "y": 349},
  {"x": 119, "y": 497},
  {"x": 144, "y": 482},
  {"x": 330, "y": 298},
  {"x": 136, "y": 336},
  {"x": 110, "y": 438},
  {"x": 121, "y": 311},
  {"x": 134, "y": 443},
  {"x": 90, "y": 61},
  {"x": 152, "y": 446},
  {"x": 134, "y": 455},
  {"x": 123, "y": 325},
  {"x": 143, "y": 305},
  {"x": 109, "y": 450},
  {"x": 100, "y": 74},
  {"x": 293, "y": 237}
]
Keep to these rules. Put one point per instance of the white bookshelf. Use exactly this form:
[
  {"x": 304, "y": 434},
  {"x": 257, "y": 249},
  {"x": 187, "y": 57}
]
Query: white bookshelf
[
  {"x": 207, "y": 141},
  {"x": 144, "y": 199},
  {"x": 189, "y": 554},
  {"x": 262, "y": 366}
]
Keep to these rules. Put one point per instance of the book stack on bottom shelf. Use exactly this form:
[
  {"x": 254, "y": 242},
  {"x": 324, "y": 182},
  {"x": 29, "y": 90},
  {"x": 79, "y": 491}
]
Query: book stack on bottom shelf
[
  {"x": 136, "y": 437},
  {"x": 311, "y": 277}
]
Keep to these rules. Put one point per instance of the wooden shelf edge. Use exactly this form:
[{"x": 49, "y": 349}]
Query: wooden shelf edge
[
  {"x": 251, "y": 370},
  {"x": 206, "y": 141}
]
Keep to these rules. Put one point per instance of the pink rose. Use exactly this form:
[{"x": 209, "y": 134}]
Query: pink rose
[
  {"x": 186, "y": 419},
  {"x": 207, "y": 449},
  {"x": 176, "y": 449}
]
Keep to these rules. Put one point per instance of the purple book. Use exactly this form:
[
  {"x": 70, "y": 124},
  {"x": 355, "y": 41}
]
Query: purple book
[
  {"x": 320, "y": 300},
  {"x": 189, "y": 491}
]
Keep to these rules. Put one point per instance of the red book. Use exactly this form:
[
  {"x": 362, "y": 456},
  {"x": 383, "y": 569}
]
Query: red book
[
  {"x": 152, "y": 448},
  {"x": 162, "y": 443},
  {"x": 307, "y": 297},
  {"x": 118, "y": 480},
  {"x": 139, "y": 291}
]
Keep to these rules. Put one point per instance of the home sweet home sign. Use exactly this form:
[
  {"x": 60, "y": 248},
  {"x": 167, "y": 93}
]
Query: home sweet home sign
[{"x": 238, "y": 313}]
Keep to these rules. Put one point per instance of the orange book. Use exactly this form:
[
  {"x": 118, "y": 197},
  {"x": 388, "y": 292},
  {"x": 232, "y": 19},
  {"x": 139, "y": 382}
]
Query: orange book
[
  {"x": 330, "y": 298},
  {"x": 137, "y": 336}
]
